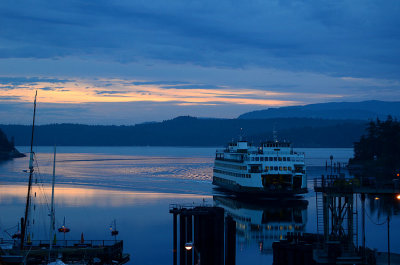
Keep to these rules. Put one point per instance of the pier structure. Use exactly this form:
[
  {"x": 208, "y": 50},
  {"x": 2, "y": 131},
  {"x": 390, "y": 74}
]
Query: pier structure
[
  {"x": 331, "y": 189},
  {"x": 202, "y": 235},
  {"x": 337, "y": 222},
  {"x": 336, "y": 241}
]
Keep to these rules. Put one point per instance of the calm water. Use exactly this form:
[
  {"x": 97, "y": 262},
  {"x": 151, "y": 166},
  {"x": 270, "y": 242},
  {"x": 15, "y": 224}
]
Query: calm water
[{"x": 136, "y": 185}]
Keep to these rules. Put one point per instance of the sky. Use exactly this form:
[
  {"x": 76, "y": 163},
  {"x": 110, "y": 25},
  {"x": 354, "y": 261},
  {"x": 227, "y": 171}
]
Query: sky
[{"x": 128, "y": 62}]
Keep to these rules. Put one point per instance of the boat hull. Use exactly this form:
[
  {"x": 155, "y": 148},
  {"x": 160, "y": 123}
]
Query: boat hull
[{"x": 257, "y": 191}]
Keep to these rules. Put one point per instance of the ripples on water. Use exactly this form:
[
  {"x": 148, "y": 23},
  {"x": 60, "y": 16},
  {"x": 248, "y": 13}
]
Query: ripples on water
[{"x": 135, "y": 185}]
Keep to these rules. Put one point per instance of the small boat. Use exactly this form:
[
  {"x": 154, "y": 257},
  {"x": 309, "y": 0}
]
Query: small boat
[
  {"x": 113, "y": 229},
  {"x": 63, "y": 228},
  {"x": 271, "y": 169}
]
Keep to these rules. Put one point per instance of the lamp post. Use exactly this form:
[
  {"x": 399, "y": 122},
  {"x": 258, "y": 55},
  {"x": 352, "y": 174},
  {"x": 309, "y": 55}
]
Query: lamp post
[{"x": 189, "y": 246}]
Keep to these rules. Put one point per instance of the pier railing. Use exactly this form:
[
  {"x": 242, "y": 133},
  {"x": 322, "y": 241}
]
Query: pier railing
[
  {"x": 175, "y": 206},
  {"x": 334, "y": 183},
  {"x": 67, "y": 243}
]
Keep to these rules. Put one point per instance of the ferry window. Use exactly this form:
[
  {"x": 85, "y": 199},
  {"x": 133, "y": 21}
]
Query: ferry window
[
  {"x": 284, "y": 158},
  {"x": 257, "y": 158},
  {"x": 288, "y": 159},
  {"x": 252, "y": 159},
  {"x": 270, "y": 159},
  {"x": 266, "y": 168},
  {"x": 279, "y": 158},
  {"x": 290, "y": 168},
  {"x": 280, "y": 168},
  {"x": 275, "y": 159},
  {"x": 261, "y": 158},
  {"x": 285, "y": 168},
  {"x": 275, "y": 168}
]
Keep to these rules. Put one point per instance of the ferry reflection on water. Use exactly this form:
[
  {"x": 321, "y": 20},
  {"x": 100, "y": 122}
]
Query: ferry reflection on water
[
  {"x": 262, "y": 222},
  {"x": 210, "y": 234}
]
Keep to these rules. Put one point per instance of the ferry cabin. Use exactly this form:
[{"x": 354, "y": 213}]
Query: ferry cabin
[{"x": 271, "y": 167}]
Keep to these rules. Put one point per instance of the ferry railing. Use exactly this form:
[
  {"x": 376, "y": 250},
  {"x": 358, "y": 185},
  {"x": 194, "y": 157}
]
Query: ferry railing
[
  {"x": 229, "y": 160},
  {"x": 255, "y": 171}
]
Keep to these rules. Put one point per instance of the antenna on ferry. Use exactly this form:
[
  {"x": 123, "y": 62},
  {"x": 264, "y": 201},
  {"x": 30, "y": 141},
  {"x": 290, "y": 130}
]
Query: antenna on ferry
[
  {"x": 241, "y": 134},
  {"x": 275, "y": 134}
]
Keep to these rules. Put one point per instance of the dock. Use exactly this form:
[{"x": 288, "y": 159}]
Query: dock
[
  {"x": 206, "y": 235},
  {"x": 69, "y": 251}
]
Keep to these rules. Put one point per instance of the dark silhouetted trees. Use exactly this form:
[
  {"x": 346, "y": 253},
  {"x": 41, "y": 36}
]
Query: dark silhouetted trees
[
  {"x": 190, "y": 131},
  {"x": 7, "y": 149},
  {"x": 379, "y": 149}
]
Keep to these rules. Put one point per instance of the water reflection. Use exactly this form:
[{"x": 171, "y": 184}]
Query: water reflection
[
  {"x": 83, "y": 196},
  {"x": 130, "y": 172},
  {"x": 383, "y": 205},
  {"x": 261, "y": 222}
]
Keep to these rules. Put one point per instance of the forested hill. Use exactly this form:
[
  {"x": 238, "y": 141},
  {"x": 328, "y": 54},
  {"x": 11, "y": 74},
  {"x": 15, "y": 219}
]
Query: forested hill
[
  {"x": 7, "y": 149},
  {"x": 189, "y": 131},
  {"x": 365, "y": 110}
]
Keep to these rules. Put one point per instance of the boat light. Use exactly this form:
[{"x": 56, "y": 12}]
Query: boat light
[
  {"x": 376, "y": 198},
  {"x": 398, "y": 196}
]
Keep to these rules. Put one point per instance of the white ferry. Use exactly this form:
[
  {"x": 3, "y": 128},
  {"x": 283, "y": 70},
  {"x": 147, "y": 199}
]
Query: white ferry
[{"x": 272, "y": 168}]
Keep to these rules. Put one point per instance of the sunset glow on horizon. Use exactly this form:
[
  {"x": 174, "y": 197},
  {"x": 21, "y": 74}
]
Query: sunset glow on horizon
[{"x": 85, "y": 91}]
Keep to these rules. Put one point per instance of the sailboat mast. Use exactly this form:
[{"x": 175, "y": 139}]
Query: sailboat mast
[
  {"x": 28, "y": 197},
  {"x": 52, "y": 215}
]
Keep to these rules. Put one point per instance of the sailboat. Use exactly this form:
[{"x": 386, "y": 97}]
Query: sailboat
[{"x": 28, "y": 252}]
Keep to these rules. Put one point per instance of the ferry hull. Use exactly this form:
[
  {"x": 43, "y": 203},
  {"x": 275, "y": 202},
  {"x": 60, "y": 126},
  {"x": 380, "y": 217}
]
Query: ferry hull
[{"x": 257, "y": 191}]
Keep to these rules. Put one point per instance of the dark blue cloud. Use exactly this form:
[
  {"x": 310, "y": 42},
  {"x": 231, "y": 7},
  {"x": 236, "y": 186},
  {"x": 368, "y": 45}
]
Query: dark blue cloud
[
  {"x": 355, "y": 38},
  {"x": 192, "y": 86},
  {"x": 47, "y": 88},
  {"x": 9, "y": 98},
  {"x": 176, "y": 85},
  {"x": 110, "y": 92},
  {"x": 17, "y": 81},
  {"x": 147, "y": 83}
]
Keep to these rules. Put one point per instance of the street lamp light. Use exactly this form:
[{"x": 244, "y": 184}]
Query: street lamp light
[{"x": 189, "y": 246}]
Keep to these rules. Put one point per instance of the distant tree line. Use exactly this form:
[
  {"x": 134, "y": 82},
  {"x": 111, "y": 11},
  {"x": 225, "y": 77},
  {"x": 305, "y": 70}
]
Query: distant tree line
[
  {"x": 190, "y": 131},
  {"x": 378, "y": 151}
]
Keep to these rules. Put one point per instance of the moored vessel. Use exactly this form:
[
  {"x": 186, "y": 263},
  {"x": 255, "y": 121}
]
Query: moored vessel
[{"x": 270, "y": 169}]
